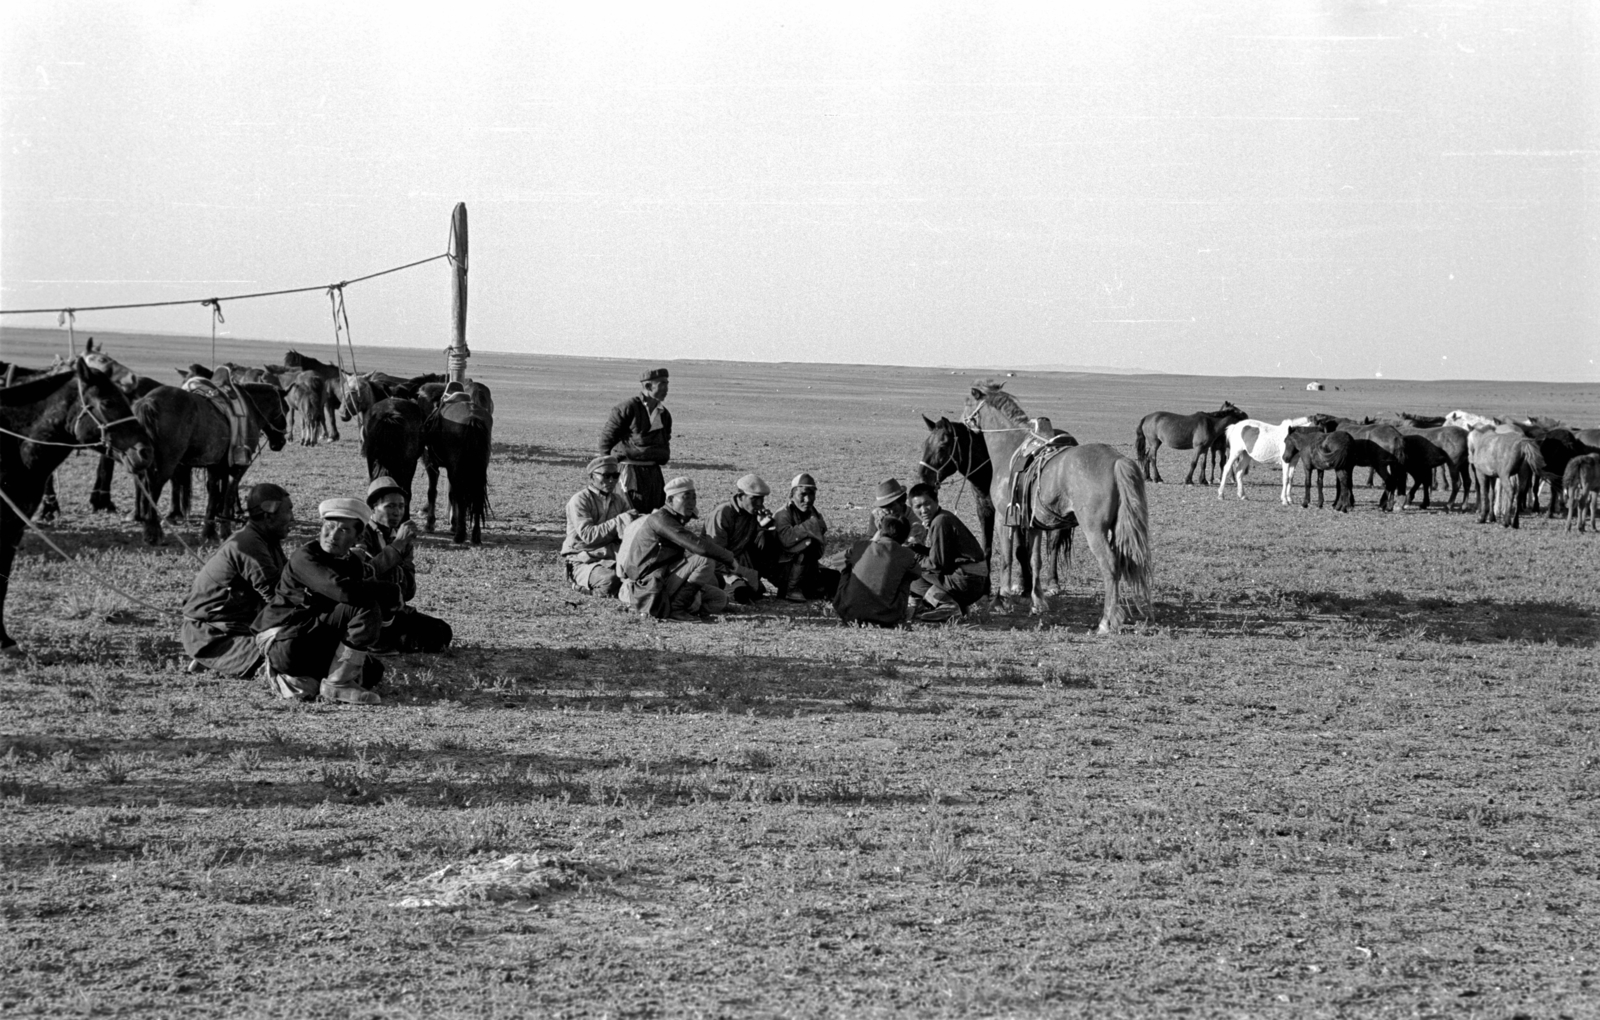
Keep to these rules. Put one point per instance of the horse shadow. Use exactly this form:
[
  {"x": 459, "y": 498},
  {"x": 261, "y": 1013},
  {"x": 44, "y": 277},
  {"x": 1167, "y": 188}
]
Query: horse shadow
[{"x": 533, "y": 453}]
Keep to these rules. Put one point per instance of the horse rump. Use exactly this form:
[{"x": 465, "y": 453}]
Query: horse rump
[{"x": 392, "y": 440}]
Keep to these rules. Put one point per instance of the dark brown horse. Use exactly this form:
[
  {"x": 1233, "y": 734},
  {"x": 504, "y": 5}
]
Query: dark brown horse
[
  {"x": 391, "y": 440},
  {"x": 191, "y": 432},
  {"x": 43, "y": 420},
  {"x": 1201, "y": 432},
  {"x": 456, "y": 438},
  {"x": 1429, "y": 448},
  {"x": 333, "y": 381}
]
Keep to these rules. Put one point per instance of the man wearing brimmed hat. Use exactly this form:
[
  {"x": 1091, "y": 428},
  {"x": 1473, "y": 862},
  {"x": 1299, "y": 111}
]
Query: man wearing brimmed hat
[
  {"x": 234, "y": 584},
  {"x": 801, "y": 538},
  {"x": 743, "y": 526},
  {"x": 639, "y": 435},
  {"x": 596, "y": 517},
  {"x": 891, "y": 501},
  {"x": 387, "y": 546},
  {"x": 327, "y": 614},
  {"x": 668, "y": 571}
]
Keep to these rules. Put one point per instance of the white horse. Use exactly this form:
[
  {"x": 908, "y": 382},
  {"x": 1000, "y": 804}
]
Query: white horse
[
  {"x": 1255, "y": 440},
  {"x": 1467, "y": 420}
]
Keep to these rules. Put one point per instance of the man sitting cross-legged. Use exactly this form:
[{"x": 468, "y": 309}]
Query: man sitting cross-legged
[
  {"x": 327, "y": 614},
  {"x": 743, "y": 526},
  {"x": 596, "y": 517},
  {"x": 387, "y": 546},
  {"x": 234, "y": 584},
  {"x": 955, "y": 571},
  {"x": 668, "y": 571},
  {"x": 875, "y": 585}
]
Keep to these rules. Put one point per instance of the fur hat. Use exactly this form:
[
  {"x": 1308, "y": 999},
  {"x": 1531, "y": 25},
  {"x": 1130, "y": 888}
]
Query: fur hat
[
  {"x": 262, "y": 494},
  {"x": 344, "y": 509},
  {"x": 890, "y": 491},
  {"x": 679, "y": 484},
  {"x": 752, "y": 485}
]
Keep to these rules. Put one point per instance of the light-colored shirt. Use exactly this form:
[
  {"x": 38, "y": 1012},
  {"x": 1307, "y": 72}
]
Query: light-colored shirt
[{"x": 594, "y": 525}]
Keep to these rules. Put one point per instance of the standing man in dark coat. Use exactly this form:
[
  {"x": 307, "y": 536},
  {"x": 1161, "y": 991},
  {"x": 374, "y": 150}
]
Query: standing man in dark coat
[
  {"x": 639, "y": 435},
  {"x": 326, "y": 614},
  {"x": 234, "y": 584}
]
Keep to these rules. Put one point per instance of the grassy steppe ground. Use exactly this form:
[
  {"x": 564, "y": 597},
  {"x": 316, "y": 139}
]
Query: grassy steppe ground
[{"x": 1349, "y": 770}]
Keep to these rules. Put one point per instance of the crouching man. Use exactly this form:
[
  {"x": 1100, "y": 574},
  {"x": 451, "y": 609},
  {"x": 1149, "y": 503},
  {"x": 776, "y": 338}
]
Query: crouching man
[
  {"x": 387, "y": 547},
  {"x": 326, "y": 615},
  {"x": 668, "y": 571},
  {"x": 234, "y": 584}
]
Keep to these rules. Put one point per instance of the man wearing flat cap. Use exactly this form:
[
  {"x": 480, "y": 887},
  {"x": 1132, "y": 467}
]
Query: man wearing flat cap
[
  {"x": 801, "y": 535},
  {"x": 596, "y": 517},
  {"x": 387, "y": 548},
  {"x": 234, "y": 584},
  {"x": 668, "y": 571},
  {"x": 639, "y": 435},
  {"x": 743, "y": 526},
  {"x": 326, "y": 614}
]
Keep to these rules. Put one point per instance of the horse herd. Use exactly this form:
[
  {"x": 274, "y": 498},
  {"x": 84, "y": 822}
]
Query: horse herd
[{"x": 1501, "y": 460}]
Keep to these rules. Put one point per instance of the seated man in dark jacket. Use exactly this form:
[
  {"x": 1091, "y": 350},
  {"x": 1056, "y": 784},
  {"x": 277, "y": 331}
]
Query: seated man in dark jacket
[
  {"x": 234, "y": 584},
  {"x": 801, "y": 538},
  {"x": 955, "y": 569},
  {"x": 327, "y": 614},
  {"x": 387, "y": 548},
  {"x": 875, "y": 585}
]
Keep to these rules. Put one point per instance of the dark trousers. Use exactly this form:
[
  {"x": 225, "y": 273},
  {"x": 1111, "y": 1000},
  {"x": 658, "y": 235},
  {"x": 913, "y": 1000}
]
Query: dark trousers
[
  {"x": 806, "y": 575},
  {"x": 963, "y": 589},
  {"x": 309, "y": 649},
  {"x": 645, "y": 486},
  {"x": 411, "y": 631}
]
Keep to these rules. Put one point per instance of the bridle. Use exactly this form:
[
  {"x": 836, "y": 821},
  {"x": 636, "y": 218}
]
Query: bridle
[
  {"x": 939, "y": 473},
  {"x": 87, "y": 408}
]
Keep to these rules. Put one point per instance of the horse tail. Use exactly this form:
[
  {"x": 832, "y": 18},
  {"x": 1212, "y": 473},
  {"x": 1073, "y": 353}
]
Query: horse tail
[
  {"x": 1532, "y": 455},
  {"x": 1138, "y": 441},
  {"x": 1130, "y": 535}
]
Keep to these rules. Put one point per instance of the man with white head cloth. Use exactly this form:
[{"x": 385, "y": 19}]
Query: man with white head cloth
[{"x": 668, "y": 571}]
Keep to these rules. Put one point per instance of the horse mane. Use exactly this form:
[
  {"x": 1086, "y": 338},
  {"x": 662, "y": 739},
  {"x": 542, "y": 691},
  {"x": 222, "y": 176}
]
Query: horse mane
[
  {"x": 33, "y": 390},
  {"x": 996, "y": 396}
]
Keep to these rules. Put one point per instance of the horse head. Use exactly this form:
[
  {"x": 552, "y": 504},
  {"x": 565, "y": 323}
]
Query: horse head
[
  {"x": 105, "y": 417},
  {"x": 268, "y": 411},
  {"x": 943, "y": 451},
  {"x": 357, "y": 396},
  {"x": 124, "y": 377}
]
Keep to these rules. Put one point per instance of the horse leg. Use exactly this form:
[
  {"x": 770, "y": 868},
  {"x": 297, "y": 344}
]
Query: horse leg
[
  {"x": 216, "y": 479},
  {"x": 1111, "y": 610},
  {"x": 100, "y": 495},
  {"x": 330, "y": 413},
  {"x": 1197, "y": 461},
  {"x": 49, "y": 505},
  {"x": 433, "y": 489},
  {"x": 145, "y": 500},
  {"x": 1155, "y": 468},
  {"x": 1050, "y": 561}
]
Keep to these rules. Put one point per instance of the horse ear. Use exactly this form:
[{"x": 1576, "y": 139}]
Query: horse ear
[
  {"x": 928, "y": 422},
  {"x": 183, "y": 373},
  {"x": 89, "y": 347}
]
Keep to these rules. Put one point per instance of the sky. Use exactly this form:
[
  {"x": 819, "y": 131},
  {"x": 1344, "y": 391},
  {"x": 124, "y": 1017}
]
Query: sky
[{"x": 1232, "y": 187}]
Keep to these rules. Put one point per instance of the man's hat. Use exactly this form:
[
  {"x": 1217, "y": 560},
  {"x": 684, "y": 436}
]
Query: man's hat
[
  {"x": 381, "y": 486},
  {"x": 752, "y": 485},
  {"x": 802, "y": 481},
  {"x": 345, "y": 509},
  {"x": 601, "y": 463},
  {"x": 679, "y": 484},
  {"x": 889, "y": 491},
  {"x": 653, "y": 375},
  {"x": 261, "y": 495}
]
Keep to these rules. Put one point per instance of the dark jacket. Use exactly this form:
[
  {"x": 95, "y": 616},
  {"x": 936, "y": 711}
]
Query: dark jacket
[
  {"x": 875, "y": 583},
  {"x": 314, "y": 582},
  {"x": 629, "y": 434},
  {"x": 951, "y": 544},
  {"x": 238, "y": 579},
  {"x": 386, "y": 563}
]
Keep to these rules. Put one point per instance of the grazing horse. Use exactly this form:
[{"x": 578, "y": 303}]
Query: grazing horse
[
  {"x": 1499, "y": 460},
  {"x": 189, "y": 432},
  {"x": 332, "y": 388},
  {"x": 392, "y": 441},
  {"x": 1429, "y": 448},
  {"x": 1558, "y": 447},
  {"x": 456, "y": 438},
  {"x": 1093, "y": 486},
  {"x": 1199, "y": 432},
  {"x": 1252, "y": 440},
  {"x": 41, "y": 421},
  {"x": 1581, "y": 481},
  {"x": 951, "y": 449}
]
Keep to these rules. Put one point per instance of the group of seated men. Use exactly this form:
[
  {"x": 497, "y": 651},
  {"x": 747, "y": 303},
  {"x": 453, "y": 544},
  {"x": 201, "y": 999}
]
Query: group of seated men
[
  {"x": 316, "y": 616},
  {"x": 922, "y": 562}
]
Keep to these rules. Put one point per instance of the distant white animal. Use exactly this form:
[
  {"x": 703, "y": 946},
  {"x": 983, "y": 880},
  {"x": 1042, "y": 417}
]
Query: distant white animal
[
  {"x": 1467, "y": 420},
  {"x": 1252, "y": 440}
]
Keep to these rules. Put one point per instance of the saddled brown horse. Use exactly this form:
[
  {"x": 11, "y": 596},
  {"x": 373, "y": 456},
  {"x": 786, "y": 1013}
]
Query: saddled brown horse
[
  {"x": 1091, "y": 486},
  {"x": 41, "y": 422},
  {"x": 457, "y": 439},
  {"x": 189, "y": 432},
  {"x": 1202, "y": 432}
]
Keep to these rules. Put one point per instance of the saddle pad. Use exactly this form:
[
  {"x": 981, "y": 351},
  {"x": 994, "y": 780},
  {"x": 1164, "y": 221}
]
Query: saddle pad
[{"x": 462, "y": 412}]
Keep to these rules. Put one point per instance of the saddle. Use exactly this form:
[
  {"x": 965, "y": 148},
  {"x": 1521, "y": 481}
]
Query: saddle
[
  {"x": 228, "y": 401},
  {"x": 1043, "y": 444}
]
